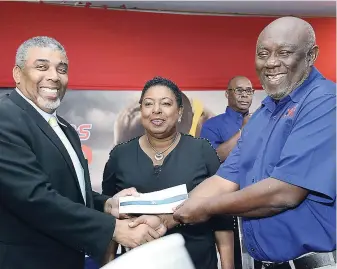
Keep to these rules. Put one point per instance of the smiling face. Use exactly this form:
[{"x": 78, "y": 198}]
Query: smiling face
[
  {"x": 44, "y": 77},
  {"x": 160, "y": 111},
  {"x": 283, "y": 59}
]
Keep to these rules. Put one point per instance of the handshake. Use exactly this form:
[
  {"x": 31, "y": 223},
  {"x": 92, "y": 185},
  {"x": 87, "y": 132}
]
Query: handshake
[{"x": 134, "y": 231}]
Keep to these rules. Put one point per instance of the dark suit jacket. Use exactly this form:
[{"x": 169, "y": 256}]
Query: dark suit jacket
[{"x": 44, "y": 223}]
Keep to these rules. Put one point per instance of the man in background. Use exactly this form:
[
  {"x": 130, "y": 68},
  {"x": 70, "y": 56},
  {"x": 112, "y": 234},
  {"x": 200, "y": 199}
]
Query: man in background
[{"x": 224, "y": 130}]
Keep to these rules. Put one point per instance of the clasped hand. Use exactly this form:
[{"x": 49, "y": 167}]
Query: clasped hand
[{"x": 132, "y": 232}]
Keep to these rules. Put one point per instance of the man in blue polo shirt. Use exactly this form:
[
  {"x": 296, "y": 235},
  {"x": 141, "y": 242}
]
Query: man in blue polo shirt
[
  {"x": 223, "y": 131},
  {"x": 281, "y": 176}
]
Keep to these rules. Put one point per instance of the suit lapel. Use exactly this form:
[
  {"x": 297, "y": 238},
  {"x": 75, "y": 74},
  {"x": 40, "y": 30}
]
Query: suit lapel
[
  {"x": 48, "y": 131},
  {"x": 65, "y": 126},
  {"x": 74, "y": 142}
]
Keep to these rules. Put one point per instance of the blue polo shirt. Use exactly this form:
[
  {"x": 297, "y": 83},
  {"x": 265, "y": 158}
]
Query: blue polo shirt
[
  {"x": 222, "y": 127},
  {"x": 293, "y": 140}
]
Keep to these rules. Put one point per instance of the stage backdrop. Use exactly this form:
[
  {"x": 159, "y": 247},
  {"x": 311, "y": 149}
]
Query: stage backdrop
[
  {"x": 106, "y": 118},
  {"x": 120, "y": 50}
]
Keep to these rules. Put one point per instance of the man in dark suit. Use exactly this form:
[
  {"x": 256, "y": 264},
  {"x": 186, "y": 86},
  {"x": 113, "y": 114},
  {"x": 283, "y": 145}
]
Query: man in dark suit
[{"x": 49, "y": 213}]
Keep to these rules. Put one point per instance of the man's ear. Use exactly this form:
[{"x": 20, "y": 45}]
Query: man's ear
[
  {"x": 17, "y": 74},
  {"x": 226, "y": 93},
  {"x": 312, "y": 55}
]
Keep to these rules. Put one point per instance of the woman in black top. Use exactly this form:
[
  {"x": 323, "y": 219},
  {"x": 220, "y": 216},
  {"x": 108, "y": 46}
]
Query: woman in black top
[{"x": 164, "y": 158}]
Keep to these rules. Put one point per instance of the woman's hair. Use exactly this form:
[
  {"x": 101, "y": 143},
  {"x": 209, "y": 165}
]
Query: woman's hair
[{"x": 163, "y": 82}]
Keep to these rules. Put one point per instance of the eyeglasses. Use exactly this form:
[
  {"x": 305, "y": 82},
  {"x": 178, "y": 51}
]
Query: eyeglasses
[{"x": 239, "y": 91}]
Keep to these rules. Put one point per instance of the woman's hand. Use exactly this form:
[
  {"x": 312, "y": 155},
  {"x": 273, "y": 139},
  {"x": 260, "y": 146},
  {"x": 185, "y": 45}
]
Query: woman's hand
[{"x": 111, "y": 205}]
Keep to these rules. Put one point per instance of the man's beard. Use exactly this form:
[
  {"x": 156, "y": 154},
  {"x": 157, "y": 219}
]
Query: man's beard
[
  {"x": 278, "y": 95},
  {"x": 47, "y": 104}
]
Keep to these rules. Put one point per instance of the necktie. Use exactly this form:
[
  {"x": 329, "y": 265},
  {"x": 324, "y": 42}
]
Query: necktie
[{"x": 74, "y": 158}]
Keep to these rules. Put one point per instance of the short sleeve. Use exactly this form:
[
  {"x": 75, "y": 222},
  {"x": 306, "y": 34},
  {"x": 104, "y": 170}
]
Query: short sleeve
[
  {"x": 229, "y": 169},
  {"x": 211, "y": 135},
  {"x": 211, "y": 158},
  {"x": 109, "y": 174},
  {"x": 308, "y": 158}
]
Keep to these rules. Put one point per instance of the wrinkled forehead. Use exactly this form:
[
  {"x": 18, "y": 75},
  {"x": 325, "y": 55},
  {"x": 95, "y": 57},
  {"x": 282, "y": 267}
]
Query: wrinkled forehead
[
  {"x": 279, "y": 35},
  {"x": 51, "y": 55}
]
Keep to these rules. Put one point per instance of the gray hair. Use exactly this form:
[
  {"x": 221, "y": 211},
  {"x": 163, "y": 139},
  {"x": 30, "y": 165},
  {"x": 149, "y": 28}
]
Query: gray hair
[
  {"x": 38, "y": 41},
  {"x": 311, "y": 36}
]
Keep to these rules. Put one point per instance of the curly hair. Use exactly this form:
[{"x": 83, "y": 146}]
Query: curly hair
[{"x": 163, "y": 82}]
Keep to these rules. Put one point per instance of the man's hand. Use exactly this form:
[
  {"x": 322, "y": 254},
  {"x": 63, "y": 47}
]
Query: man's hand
[
  {"x": 193, "y": 210},
  {"x": 153, "y": 221},
  {"x": 111, "y": 205},
  {"x": 133, "y": 237}
]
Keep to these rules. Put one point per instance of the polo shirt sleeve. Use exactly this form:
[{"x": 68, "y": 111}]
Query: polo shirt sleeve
[
  {"x": 308, "y": 158},
  {"x": 210, "y": 133},
  {"x": 229, "y": 169}
]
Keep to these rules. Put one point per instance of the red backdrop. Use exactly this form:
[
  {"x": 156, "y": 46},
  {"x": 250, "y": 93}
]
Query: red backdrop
[{"x": 122, "y": 49}]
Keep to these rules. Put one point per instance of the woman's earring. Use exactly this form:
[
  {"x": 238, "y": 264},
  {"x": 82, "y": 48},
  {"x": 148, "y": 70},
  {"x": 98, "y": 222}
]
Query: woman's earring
[{"x": 179, "y": 120}]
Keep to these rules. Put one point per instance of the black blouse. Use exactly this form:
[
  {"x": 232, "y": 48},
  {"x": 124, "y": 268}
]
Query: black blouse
[{"x": 190, "y": 162}]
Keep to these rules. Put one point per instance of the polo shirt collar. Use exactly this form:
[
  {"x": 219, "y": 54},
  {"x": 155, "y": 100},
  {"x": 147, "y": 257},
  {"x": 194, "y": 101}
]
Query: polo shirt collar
[
  {"x": 296, "y": 94},
  {"x": 232, "y": 113}
]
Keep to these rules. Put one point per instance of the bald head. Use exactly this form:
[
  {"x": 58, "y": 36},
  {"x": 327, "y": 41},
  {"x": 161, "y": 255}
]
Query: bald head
[
  {"x": 285, "y": 52},
  {"x": 291, "y": 26},
  {"x": 232, "y": 83}
]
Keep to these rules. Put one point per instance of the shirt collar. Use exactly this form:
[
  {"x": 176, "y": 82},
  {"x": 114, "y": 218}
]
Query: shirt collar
[
  {"x": 234, "y": 113},
  {"x": 44, "y": 114},
  {"x": 296, "y": 94}
]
